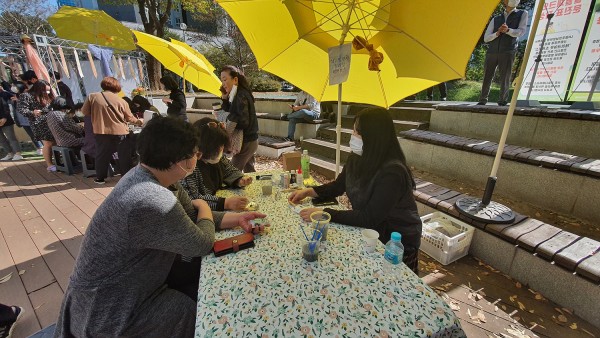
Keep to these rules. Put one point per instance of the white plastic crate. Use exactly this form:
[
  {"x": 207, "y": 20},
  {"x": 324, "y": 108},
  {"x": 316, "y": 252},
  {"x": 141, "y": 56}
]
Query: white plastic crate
[{"x": 442, "y": 248}]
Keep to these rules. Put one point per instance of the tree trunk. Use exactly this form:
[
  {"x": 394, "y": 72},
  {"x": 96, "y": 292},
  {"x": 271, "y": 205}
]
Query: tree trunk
[{"x": 154, "y": 72}]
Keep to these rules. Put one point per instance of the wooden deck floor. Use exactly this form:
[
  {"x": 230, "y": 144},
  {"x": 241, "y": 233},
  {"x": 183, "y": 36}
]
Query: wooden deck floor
[{"x": 43, "y": 217}]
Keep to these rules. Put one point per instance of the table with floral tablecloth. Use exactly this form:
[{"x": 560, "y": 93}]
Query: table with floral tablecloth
[{"x": 270, "y": 291}]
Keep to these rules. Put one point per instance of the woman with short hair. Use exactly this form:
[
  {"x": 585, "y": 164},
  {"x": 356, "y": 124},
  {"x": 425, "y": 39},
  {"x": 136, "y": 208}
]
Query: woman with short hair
[
  {"x": 215, "y": 172},
  {"x": 379, "y": 185},
  {"x": 61, "y": 122},
  {"x": 110, "y": 115},
  {"x": 118, "y": 287},
  {"x": 176, "y": 105}
]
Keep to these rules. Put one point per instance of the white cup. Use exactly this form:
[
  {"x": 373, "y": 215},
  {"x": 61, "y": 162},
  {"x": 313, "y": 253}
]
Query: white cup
[{"x": 370, "y": 239}]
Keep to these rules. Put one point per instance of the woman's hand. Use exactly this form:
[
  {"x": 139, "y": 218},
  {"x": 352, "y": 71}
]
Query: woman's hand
[
  {"x": 203, "y": 209},
  {"x": 244, "y": 222},
  {"x": 139, "y": 122},
  {"x": 37, "y": 112},
  {"x": 244, "y": 181},
  {"x": 165, "y": 100},
  {"x": 306, "y": 212},
  {"x": 297, "y": 196},
  {"x": 236, "y": 203}
]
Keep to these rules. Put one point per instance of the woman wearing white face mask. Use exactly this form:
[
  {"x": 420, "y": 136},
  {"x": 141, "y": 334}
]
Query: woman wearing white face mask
[
  {"x": 34, "y": 105},
  {"x": 215, "y": 171},
  {"x": 378, "y": 183},
  {"x": 124, "y": 281}
]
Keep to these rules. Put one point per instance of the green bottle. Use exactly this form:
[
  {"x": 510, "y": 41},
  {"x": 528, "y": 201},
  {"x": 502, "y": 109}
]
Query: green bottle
[{"x": 305, "y": 161}]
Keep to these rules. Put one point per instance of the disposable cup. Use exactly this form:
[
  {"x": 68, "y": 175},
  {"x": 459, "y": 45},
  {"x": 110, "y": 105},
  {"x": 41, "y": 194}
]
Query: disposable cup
[{"x": 370, "y": 238}]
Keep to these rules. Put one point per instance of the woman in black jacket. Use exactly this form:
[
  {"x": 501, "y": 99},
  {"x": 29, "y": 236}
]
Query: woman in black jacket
[
  {"x": 176, "y": 102},
  {"x": 378, "y": 183},
  {"x": 239, "y": 102}
]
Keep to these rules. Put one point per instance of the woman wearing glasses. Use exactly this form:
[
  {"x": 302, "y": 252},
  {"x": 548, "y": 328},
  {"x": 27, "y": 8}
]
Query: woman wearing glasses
[
  {"x": 119, "y": 284},
  {"x": 214, "y": 171}
]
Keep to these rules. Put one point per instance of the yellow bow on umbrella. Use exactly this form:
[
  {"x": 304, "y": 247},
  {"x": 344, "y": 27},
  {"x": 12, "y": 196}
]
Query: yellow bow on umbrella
[
  {"x": 375, "y": 58},
  {"x": 103, "y": 36}
]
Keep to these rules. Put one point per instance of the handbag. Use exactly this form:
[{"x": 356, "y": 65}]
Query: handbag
[
  {"x": 236, "y": 137},
  {"x": 233, "y": 244}
]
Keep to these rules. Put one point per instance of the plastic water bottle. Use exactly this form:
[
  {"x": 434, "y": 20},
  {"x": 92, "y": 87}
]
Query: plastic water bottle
[
  {"x": 305, "y": 161},
  {"x": 394, "y": 252}
]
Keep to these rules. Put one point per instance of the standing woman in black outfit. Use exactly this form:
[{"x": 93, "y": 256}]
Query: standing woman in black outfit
[
  {"x": 378, "y": 183},
  {"x": 239, "y": 102},
  {"x": 176, "y": 102}
]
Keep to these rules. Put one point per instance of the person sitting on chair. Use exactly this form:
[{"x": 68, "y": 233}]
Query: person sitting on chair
[
  {"x": 305, "y": 108},
  {"x": 215, "y": 171},
  {"x": 122, "y": 282},
  {"x": 66, "y": 131}
]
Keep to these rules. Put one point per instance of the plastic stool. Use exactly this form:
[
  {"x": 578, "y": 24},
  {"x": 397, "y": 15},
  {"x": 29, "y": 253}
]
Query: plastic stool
[
  {"x": 87, "y": 162},
  {"x": 89, "y": 168},
  {"x": 66, "y": 160}
]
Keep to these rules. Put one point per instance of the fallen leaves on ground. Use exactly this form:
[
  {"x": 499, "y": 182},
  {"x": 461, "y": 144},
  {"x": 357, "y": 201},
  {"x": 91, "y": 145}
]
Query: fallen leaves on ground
[{"x": 5, "y": 278}]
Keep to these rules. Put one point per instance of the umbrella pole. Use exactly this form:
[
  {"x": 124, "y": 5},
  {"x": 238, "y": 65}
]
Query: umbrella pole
[
  {"x": 484, "y": 209},
  {"x": 184, "y": 69},
  {"x": 338, "y": 131},
  {"x": 338, "y": 127}
]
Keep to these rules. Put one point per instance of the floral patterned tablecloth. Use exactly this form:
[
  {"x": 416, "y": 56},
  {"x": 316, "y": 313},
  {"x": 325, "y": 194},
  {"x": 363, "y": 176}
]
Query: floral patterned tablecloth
[{"x": 270, "y": 291}]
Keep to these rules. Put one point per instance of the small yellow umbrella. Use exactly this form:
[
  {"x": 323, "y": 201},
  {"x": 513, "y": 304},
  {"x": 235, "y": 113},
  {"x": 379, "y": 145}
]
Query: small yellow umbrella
[
  {"x": 181, "y": 61},
  {"x": 91, "y": 26}
]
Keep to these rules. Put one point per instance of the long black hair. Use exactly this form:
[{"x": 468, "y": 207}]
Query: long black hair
[
  {"x": 234, "y": 72},
  {"x": 38, "y": 91},
  {"x": 169, "y": 82},
  {"x": 380, "y": 143}
]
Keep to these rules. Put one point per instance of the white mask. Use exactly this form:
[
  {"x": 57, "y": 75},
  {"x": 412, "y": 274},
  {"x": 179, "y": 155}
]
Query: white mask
[
  {"x": 216, "y": 159},
  {"x": 356, "y": 145},
  {"x": 14, "y": 89},
  {"x": 187, "y": 173},
  {"x": 232, "y": 93},
  {"x": 513, "y": 3}
]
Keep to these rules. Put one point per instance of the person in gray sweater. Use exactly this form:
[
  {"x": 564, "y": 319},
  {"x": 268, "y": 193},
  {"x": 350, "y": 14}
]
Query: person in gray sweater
[{"x": 118, "y": 286}]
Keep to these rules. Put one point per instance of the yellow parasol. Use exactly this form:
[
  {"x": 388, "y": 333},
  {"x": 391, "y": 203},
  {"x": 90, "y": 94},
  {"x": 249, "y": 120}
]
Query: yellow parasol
[
  {"x": 399, "y": 47},
  {"x": 181, "y": 61},
  {"x": 91, "y": 26}
]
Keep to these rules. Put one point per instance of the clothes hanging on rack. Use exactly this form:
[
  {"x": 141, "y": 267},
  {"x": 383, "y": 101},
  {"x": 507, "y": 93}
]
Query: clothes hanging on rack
[{"x": 104, "y": 55}]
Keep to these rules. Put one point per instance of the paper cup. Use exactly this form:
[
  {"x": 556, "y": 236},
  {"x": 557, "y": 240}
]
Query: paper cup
[{"x": 370, "y": 239}]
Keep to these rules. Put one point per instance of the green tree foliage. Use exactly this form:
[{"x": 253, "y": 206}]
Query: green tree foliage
[
  {"x": 476, "y": 64},
  {"x": 155, "y": 15},
  {"x": 25, "y": 17}
]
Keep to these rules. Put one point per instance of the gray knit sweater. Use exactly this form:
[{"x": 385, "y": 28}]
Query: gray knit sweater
[{"x": 118, "y": 284}]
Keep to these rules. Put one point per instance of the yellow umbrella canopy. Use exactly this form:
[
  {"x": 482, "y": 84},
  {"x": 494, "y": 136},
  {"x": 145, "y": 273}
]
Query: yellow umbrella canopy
[
  {"x": 195, "y": 52},
  {"x": 422, "y": 42},
  {"x": 91, "y": 26},
  {"x": 181, "y": 61}
]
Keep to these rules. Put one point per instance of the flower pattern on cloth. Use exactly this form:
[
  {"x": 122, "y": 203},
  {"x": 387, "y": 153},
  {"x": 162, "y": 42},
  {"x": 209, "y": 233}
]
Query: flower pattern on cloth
[{"x": 270, "y": 291}]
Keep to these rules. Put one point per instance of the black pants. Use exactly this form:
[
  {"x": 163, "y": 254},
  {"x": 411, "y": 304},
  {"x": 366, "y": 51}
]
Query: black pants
[
  {"x": 185, "y": 277},
  {"x": 106, "y": 145},
  {"x": 441, "y": 87},
  {"x": 502, "y": 61}
]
